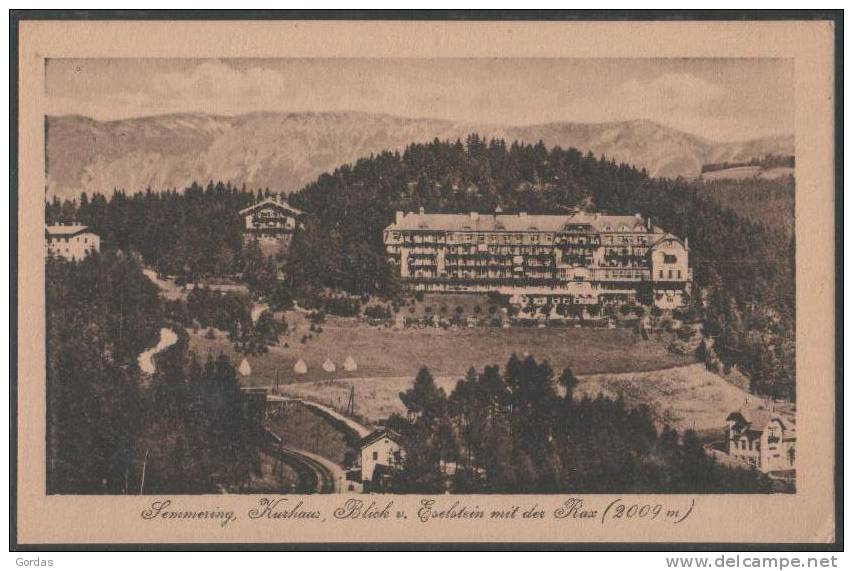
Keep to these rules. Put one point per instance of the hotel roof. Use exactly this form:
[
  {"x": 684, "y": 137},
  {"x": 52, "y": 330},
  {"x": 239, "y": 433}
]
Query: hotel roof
[
  {"x": 520, "y": 222},
  {"x": 757, "y": 421},
  {"x": 270, "y": 202},
  {"x": 66, "y": 229}
]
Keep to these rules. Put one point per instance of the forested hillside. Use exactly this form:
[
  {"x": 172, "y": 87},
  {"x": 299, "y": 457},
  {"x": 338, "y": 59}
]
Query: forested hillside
[
  {"x": 768, "y": 202},
  {"x": 745, "y": 267},
  {"x": 110, "y": 429},
  {"x": 352, "y": 205},
  {"x": 743, "y": 264}
]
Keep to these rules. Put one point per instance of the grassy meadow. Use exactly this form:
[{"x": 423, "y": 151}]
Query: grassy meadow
[{"x": 382, "y": 352}]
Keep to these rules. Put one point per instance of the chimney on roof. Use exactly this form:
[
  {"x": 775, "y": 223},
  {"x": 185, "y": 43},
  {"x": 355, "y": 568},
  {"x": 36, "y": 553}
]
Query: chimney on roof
[
  {"x": 474, "y": 216},
  {"x": 421, "y": 210},
  {"x": 398, "y": 218}
]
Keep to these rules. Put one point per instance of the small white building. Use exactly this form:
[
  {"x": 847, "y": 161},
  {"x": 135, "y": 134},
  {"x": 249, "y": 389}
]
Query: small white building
[
  {"x": 381, "y": 456},
  {"x": 70, "y": 241},
  {"x": 762, "y": 439}
]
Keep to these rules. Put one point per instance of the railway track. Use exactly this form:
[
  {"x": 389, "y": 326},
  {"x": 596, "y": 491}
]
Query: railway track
[{"x": 313, "y": 476}]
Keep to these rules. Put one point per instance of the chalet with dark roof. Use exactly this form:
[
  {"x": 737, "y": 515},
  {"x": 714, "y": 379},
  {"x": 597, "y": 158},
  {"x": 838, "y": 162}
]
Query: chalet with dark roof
[{"x": 272, "y": 223}]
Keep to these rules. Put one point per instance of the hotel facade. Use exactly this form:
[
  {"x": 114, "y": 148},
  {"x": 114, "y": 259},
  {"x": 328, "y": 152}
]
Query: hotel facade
[{"x": 579, "y": 258}]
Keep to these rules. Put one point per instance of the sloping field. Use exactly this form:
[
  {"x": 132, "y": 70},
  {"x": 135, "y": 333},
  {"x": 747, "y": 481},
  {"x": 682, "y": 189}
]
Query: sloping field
[
  {"x": 733, "y": 173},
  {"x": 687, "y": 397},
  {"x": 375, "y": 397},
  {"x": 381, "y": 352},
  {"x": 776, "y": 172}
]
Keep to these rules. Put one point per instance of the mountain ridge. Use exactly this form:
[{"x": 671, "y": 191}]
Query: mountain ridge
[{"x": 286, "y": 150}]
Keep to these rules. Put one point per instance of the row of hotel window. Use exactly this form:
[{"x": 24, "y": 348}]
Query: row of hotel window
[
  {"x": 530, "y": 249},
  {"x": 67, "y": 239},
  {"x": 519, "y": 238},
  {"x": 478, "y": 250},
  {"x": 614, "y": 274}
]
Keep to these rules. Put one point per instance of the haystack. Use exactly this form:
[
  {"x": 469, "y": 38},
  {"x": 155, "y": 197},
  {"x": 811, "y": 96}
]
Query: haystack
[
  {"x": 300, "y": 368},
  {"x": 245, "y": 369},
  {"x": 329, "y": 366},
  {"x": 350, "y": 364}
]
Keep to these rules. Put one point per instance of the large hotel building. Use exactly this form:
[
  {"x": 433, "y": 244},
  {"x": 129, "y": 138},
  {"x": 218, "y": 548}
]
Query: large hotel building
[{"x": 583, "y": 258}]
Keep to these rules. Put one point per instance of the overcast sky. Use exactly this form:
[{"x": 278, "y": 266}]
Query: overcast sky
[{"x": 723, "y": 99}]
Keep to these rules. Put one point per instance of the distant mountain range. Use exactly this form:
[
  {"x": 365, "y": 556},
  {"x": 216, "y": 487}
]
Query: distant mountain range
[{"x": 285, "y": 151}]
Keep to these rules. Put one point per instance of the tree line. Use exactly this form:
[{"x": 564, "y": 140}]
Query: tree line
[
  {"x": 193, "y": 233},
  {"x": 521, "y": 430},
  {"x": 767, "y": 161}
]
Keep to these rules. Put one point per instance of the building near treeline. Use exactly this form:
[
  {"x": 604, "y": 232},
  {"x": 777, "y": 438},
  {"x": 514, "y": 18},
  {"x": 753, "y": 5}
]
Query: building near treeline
[
  {"x": 271, "y": 223},
  {"x": 70, "y": 241},
  {"x": 563, "y": 260}
]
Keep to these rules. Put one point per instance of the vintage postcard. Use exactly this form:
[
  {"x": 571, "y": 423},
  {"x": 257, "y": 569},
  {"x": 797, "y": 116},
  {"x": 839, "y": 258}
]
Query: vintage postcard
[{"x": 449, "y": 282}]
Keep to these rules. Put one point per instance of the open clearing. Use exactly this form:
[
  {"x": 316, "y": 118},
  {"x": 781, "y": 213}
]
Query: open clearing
[
  {"x": 382, "y": 352},
  {"x": 612, "y": 362}
]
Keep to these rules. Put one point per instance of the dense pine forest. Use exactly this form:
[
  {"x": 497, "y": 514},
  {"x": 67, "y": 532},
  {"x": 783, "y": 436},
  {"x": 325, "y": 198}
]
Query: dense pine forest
[
  {"x": 770, "y": 202},
  {"x": 193, "y": 233},
  {"x": 114, "y": 430},
  {"x": 743, "y": 261},
  {"x": 522, "y": 430}
]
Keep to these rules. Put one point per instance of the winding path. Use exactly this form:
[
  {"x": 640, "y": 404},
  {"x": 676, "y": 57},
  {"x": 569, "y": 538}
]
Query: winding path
[
  {"x": 257, "y": 310},
  {"x": 146, "y": 358}
]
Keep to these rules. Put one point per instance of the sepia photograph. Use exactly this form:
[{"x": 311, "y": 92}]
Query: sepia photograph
[
  {"x": 424, "y": 283},
  {"x": 325, "y": 275}
]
